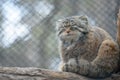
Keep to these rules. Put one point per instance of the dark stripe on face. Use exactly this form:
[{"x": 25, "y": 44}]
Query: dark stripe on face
[{"x": 61, "y": 31}]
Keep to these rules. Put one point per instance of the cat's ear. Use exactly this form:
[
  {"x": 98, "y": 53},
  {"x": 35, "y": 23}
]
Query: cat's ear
[{"x": 83, "y": 20}]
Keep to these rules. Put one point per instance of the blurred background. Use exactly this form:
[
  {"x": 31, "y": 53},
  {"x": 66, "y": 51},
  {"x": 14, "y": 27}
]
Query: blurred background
[{"x": 27, "y": 28}]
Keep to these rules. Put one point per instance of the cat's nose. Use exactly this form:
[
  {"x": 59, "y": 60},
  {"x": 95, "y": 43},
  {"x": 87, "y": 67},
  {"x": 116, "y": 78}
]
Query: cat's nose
[{"x": 68, "y": 31}]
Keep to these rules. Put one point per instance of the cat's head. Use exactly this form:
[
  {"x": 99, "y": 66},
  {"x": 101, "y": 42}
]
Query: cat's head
[{"x": 72, "y": 28}]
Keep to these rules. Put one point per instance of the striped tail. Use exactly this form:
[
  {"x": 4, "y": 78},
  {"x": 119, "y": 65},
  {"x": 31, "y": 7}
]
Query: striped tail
[{"x": 118, "y": 28}]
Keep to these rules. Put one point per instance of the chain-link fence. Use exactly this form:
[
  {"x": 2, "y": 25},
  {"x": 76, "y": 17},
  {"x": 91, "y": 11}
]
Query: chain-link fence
[{"x": 27, "y": 28}]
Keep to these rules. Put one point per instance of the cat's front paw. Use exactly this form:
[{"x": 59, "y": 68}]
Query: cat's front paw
[
  {"x": 72, "y": 65},
  {"x": 64, "y": 67},
  {"x": 68, "y": 67}
]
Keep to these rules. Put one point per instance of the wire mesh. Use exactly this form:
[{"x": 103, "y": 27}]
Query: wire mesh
[{"x": 27, "y": 28}]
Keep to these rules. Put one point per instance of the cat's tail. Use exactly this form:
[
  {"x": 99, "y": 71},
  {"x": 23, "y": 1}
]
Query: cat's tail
[
  {"x": 118, "y": 28},
  {"x": 118, "y": 35}
]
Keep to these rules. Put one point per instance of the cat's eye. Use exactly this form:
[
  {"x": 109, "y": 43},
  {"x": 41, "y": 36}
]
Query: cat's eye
[
  {"x": 81, "y": 29},
  {"x": 81, "y": 26},
  {"x": 74, "y": 28}
]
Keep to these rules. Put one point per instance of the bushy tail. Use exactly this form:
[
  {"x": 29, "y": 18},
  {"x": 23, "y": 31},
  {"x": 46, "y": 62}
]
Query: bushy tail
[
  {"x": 118, "y": 28},
  {"x": 118, "y": 34}
]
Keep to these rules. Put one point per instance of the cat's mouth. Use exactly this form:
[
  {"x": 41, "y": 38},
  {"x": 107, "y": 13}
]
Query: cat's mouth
[{"x": 69, "y": 34}]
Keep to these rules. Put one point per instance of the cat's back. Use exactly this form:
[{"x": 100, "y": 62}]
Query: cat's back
[
  {"x": 95, "y": 38},
  {"x": 101, "y": 33}
]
